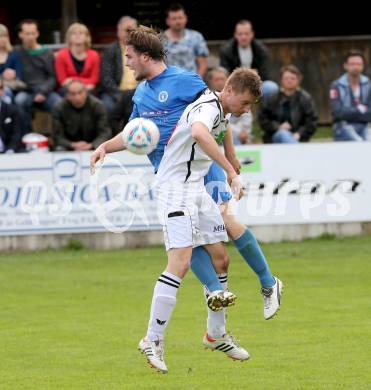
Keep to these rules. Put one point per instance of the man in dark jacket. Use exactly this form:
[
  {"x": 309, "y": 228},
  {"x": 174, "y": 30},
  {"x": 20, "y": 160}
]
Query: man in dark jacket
[
  {"x": 38, "y": 74},
  {"x": 10, "y": 133},
  {"x": 79, "y": 120},
  {"x": 247, "y": 52},
  {"x": 116, "y": 78},
  {"x": 289, "y": 115}
]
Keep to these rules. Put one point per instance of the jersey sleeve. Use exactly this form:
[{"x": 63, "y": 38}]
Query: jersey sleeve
[
  {"x": 136, "y": 97},
  {"x": 134, "y": 113},
  {"x": 206, "y": 113}
]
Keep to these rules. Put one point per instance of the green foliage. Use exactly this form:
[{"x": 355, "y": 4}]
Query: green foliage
[{"x": 74, "y": 245}]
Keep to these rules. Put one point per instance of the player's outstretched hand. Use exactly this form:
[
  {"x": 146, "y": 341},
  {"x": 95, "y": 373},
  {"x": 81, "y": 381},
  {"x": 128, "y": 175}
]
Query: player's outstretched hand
[
  {"x": 98, "y": 155},
  {"x": 237, "y": 188}
]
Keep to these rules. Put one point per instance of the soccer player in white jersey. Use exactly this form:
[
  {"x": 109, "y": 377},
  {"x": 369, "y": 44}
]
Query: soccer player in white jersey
[{"x": 189, "y": 215}]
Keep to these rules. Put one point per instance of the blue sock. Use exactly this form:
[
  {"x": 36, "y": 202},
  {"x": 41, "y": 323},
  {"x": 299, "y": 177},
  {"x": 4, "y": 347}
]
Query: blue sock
[
  {"x": 203, "y": 268},
  {"x": 250, "y": 250}
]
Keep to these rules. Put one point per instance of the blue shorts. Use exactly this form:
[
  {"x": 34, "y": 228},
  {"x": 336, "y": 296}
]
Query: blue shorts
[{"x": 216, "y": 184}]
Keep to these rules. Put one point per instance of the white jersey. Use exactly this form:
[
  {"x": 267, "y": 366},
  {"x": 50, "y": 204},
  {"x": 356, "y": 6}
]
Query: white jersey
[{"x": 184, "y": 161}]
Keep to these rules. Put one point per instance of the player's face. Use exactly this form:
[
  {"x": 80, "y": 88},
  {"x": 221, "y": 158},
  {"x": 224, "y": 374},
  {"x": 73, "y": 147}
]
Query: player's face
[
  {"x": 238, "y": 103},
  {"x": 290, "y": 81},
  {"x": 244, "y": 34},
  {"x": 176, "y": 20},
  {"x": 354, "y": 65},
  {"x": 136, "y": 62}
]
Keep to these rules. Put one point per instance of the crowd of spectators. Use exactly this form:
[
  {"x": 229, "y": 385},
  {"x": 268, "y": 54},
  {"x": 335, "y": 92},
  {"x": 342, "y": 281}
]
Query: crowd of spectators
[{"x": 89, "y": 93}]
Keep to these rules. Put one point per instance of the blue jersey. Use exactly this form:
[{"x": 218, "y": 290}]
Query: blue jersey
[{"x": 163, "y": 100}]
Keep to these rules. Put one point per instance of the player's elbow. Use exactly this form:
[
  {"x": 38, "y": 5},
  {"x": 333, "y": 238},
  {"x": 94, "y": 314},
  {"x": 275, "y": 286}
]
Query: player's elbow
[
  {"x": 195, "y": 133},
  {"x": 198, "y": 133}
]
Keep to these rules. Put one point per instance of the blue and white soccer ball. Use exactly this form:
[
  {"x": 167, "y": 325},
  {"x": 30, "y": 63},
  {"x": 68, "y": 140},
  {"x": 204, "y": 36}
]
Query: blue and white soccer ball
[{"x": 141, "y": 136}]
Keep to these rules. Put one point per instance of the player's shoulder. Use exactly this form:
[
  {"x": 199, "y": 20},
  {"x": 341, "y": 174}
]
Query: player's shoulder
[
  {"x": 180, "y": 72},
  {"x": 189, "y": 82},
  {"x": 140, "y": 88},
  {"x": 208, "y": 103},
  {"x": 208, "y": 97}
]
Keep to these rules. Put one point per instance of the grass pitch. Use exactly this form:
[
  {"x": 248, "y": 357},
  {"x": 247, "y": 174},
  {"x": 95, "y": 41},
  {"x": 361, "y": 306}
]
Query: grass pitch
[{"x": 72, "y": 320}]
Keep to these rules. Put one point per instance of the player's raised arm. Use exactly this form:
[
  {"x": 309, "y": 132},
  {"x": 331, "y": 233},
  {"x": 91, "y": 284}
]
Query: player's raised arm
[{"x": 115, "y": 144}]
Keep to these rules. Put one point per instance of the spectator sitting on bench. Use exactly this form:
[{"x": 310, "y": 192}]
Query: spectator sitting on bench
[
  {"x": 117, "y": 79},
  {"x": 77, "y": 61},
  {"x": 79, "y": 120},
  {"x": 10, "y": 66},
  {"x": 350, "y": 98},
  {"x": 38, "y": 74},
  {"x": 10, "y": 133},
  {"x": 289, "y": 115}
]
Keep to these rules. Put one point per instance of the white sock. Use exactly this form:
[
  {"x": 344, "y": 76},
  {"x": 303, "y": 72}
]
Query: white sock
[
  {"x": 163, "y": 302},
  {"x": 216, "y": 319}
]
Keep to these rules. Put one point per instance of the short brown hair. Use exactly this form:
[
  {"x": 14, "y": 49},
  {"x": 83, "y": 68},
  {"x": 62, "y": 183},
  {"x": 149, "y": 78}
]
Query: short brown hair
[
  {"x": 145, "y": 40},
  {"x": 175, "y": 7},
  {"x": 355, "y": 53},
  {"x": 244, "y": 22},
  {"x": 242, "y": 80},
  {"x": 28, "y": 21},
  {"x": 291, "y": 69}
]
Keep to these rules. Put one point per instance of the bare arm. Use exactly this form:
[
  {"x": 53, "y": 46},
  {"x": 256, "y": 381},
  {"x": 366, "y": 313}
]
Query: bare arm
[
  {"x": 201, "y": 65},
  {"x": 230, "y": 152},
  {"x": 206, "y": 141},
  {"x": 114, "y": 144},
  {"x": 203, "y": 137}
]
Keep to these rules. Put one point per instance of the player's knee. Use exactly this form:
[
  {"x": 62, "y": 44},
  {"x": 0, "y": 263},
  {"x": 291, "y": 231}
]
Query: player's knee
[
  {"x": 234, "y": 228},
  {"x": 225, "y": 263}
]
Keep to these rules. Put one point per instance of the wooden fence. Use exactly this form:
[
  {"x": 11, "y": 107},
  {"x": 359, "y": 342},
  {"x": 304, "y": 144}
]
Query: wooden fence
[{"x": 319, "y": 59}]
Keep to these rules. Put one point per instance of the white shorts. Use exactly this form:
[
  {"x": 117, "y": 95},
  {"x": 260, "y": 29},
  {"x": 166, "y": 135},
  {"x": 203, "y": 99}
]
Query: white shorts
[{"x": 189, "y": 217}]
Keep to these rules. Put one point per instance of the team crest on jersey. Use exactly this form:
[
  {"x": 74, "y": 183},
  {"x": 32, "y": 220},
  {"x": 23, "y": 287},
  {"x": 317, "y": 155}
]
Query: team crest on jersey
[{"x": 162, "y": 96}]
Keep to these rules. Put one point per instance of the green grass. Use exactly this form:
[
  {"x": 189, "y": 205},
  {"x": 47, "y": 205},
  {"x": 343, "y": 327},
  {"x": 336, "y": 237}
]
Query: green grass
[
  {"x": 323, "y": 133},
  {"x": 72, "y": 320}
]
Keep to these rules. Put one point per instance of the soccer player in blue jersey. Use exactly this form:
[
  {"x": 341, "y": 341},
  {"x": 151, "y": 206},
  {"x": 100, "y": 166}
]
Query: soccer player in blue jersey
[{"x": 162, "y": 97}]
